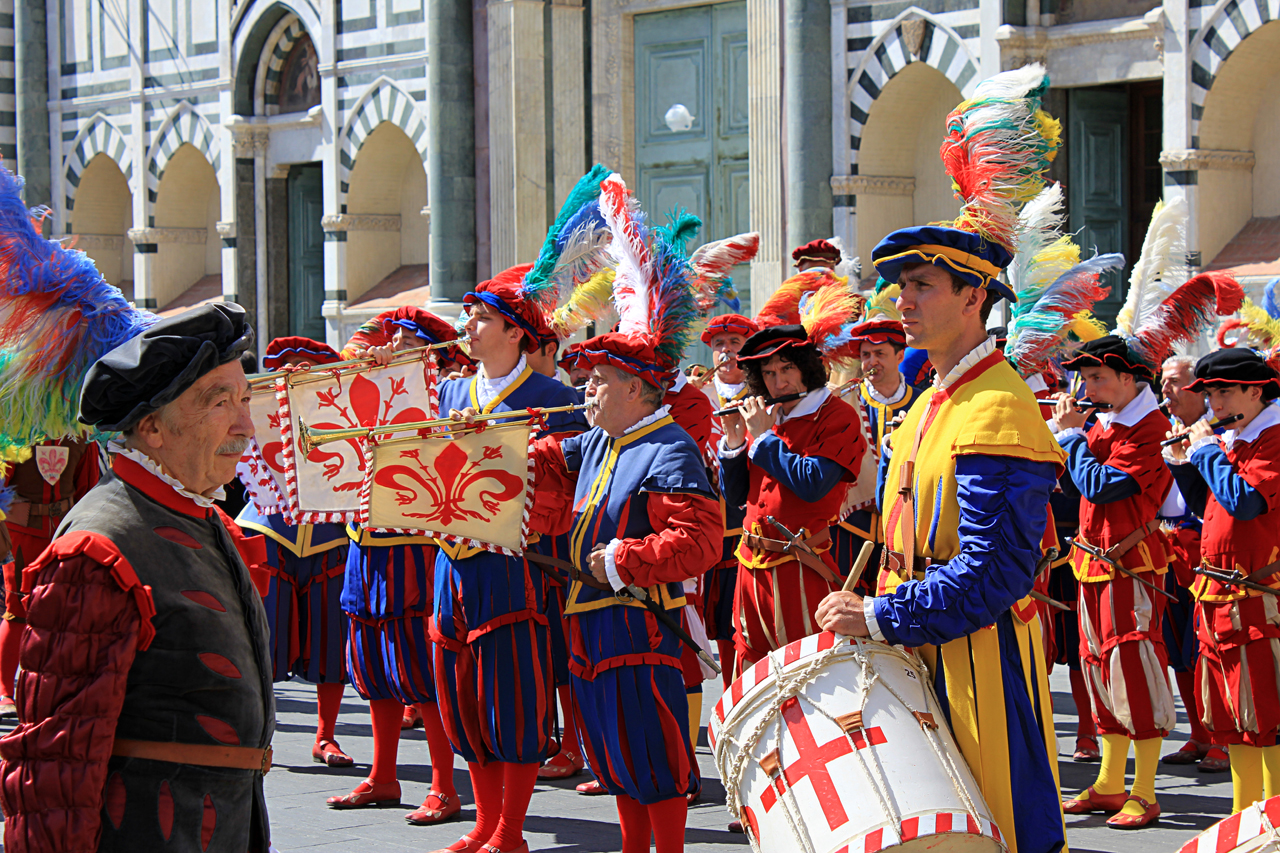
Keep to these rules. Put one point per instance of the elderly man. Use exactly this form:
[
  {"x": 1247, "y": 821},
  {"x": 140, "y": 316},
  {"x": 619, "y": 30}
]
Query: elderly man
[
  {"x": 967, "y": 478},
  {"x": 1182, "y": 526},
  {"x": 145, "y": 699},
  {"x": 634, "y": 495}
]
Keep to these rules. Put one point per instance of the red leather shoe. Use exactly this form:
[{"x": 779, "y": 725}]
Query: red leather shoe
[
  {"x": 1150, "y": 814},
  {"x": 368, "y": 795},
  {"x": 592, "y": 788},
  {"x": 561, "y": 766},
  {"x": 736, "y": 826},
  {"x": 445, "y": 807},
  {"x": 1090, "y": 800},
  {"x": 1215, "y": 760},
  {"x": 1190, "y": 753},
  {"x": 489, "y": 848},
  {"x": 465, "y": 844},
  {"x": 1086, "y": 750},
  {"x": 328, "y": 753},
  {"x": 411, "y": 719}
]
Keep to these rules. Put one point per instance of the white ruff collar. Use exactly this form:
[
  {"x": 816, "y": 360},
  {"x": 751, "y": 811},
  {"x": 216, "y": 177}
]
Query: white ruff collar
[{"x": 154, "y": 467}]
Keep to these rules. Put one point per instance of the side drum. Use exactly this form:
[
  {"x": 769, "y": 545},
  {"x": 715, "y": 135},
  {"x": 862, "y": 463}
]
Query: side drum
[
  {"x": 839, "y": 745},
  {"x": 1253, "y": 830}
]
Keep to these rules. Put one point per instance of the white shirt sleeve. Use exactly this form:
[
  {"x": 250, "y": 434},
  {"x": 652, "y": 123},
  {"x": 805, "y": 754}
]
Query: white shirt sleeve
[{"x": 611, "y": 566}]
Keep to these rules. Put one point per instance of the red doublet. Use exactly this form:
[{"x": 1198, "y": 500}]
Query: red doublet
[
  {"x": 1122, "y": 649},
  {"x": 777, "y": 596},
  {"x": 1239, "y": 629}
]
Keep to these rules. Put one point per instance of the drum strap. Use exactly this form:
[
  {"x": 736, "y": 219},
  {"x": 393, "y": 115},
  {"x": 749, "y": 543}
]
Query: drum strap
[{"x": 906, "y": 491}]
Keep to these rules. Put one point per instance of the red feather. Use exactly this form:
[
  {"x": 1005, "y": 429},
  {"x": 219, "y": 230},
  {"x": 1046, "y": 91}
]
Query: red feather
[{"x": 1187, "y": 311}]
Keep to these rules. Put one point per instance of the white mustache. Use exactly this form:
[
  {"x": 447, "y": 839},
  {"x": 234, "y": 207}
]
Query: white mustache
[{"x": 236, "y": 445}]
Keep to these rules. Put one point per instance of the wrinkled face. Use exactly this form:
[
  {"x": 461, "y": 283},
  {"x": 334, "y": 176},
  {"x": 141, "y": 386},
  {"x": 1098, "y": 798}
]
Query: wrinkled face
[
  {"x": 1228, "y": 400},
  {"x": 881, "y": 362},
  {"x": 611, "y": 395},
  {"x": 725, "y": 346},
  {"x": 491, "y": 335},
  {"x": 781, "y": 377},
  {"x": 1187, "y": 406},
  {"x": 200, "y": 436},
  {"x": 1105, "y": 385},
  {"x": 931, "y": 309}
]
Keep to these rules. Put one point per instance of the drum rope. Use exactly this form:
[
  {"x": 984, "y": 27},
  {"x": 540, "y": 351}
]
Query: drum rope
[
  {"x": 1269, "y": 831},
  {"x": 789, "y": 685}
]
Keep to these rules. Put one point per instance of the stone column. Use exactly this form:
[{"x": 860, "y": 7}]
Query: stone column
[
  {"x": 1179, "y": 178},
  {"x": 251, "y": 231},
  {"x": 568, "y": 93},
  {"x": 768, "y": 195},
  {"x": 31, "y": 70},
  {"x": 807, "y": 91},
  {"x": 517, "y": 132},
  {"x": 451, "y": 161}
]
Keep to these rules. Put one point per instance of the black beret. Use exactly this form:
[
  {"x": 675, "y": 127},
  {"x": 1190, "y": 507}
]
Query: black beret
[
  {"x": 770, "y": 339},
  {"x": 1109, "y": 351},
  {"x": 1236, "y": 366},
  {"x": 155, "y": 367}
]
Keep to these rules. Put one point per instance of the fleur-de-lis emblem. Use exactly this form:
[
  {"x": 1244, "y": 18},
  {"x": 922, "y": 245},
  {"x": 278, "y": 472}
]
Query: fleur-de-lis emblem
[
  {"x": 446, "y": 482},
  {"x": 363, "y": 406}
]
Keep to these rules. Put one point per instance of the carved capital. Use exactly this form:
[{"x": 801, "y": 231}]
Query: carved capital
[
  {"x": 360, "y": 222},
  {"x": 1191, "y": 159},
  {"x": 872, "y": 185},
  {"x": 185, "y": 236},
  {"x": 226, "y": 229},
  {"x": 251, "y": 140}
]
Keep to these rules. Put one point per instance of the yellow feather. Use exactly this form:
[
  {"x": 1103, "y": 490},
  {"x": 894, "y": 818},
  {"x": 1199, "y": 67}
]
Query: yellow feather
[
  {"x": 1263, "y": 330},
  {"x": 585, "y": 304},
  {"x": 1086, "y": 327}
]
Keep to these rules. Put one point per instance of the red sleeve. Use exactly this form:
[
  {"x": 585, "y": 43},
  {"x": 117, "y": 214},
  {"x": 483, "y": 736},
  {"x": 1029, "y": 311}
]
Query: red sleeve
[
  {"x": 553, "y": 488},
  {"x": 1137, "y": 454},
  {"x": 1263, "y": 471},
  {"x": 688, "y": 537},
  {"x": 82, "y": 633},
  {"x": 840, "y": 439},
  {"x": 692, "y": 412}
]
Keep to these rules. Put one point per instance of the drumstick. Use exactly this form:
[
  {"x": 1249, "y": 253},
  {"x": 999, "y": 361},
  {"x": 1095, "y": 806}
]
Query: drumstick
[{"x": 855, "y": 574}]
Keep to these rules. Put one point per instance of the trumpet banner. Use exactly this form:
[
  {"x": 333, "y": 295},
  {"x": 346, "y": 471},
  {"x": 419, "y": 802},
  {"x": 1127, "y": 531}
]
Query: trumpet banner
[
  {"x": 261, "y": 469},
  {"x": 473, "y": 488},
  {"x": 325, "y": 485}
]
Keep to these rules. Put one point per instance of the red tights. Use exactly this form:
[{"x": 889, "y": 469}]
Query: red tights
[
  {"x": 1084, "y": 711},
  {"x": 663, "y": 822},
  {"x": 569, "y": 724},
  {"x": 386, "y": 714},
  {"x": 10, "y": 641},
  {"x": 502, "y": 793},
  {"x": 725, "y": 648}
]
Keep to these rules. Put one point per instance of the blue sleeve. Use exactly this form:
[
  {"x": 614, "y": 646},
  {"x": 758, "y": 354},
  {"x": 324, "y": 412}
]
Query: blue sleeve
[
  {"x": 882, "y": 472},
  {"x": 571, "y": 447},
  {"x": 1003, "y": 510},
  {"x": 735, "y": 479},
  {"x": 1100, "y": 484},
  {"x": 1237, "y": 497},
  {"x": 1195, "y": 491},
  {"x": 810, "y": 478}
]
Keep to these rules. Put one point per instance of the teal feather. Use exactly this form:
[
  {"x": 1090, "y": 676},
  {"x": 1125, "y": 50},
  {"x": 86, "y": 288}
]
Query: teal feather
[{"x": 540, "y": 284}]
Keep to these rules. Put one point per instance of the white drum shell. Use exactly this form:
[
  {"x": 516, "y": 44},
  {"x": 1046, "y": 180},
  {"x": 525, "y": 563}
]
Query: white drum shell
[
  {"x": 894, "y": 784},
  {"x": 1253, "y": 830}
]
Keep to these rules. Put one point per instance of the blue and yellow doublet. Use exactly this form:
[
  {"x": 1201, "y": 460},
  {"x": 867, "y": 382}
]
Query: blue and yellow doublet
[
  {"x": 982, "y": 476},
  {"x": 489, "y": 624}
]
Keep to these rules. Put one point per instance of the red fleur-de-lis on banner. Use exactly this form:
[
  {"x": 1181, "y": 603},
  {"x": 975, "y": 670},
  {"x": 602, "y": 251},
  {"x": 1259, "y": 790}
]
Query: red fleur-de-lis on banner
[
  {"x": 448, "y": 481},
  {"x": 369, "y": 409}
]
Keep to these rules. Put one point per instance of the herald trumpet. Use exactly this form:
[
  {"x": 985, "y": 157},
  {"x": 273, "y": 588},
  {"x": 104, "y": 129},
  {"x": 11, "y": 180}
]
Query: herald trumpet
[
  {"x": 257, "y": 380},
  {"x": 309, "y": 439}
]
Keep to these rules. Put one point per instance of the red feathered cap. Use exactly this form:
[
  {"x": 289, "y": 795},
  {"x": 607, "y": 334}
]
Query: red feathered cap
[
  {"x": 817, "y": 250},
  {"x": 281, "y": 349},
  {"x": 429, "y": 329},
  {"x": 502, "y": 294},
  {"x": 727, "y": 324},
  {"x": 879, "y": 332},
  {"x": 629, "y": 353},
  {"x": 569, "y": 357}
]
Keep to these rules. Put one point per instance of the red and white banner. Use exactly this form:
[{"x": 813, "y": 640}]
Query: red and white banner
[
  {"x": 473, "y": 488},
  {"x": 261, "y": 469},
  {"x": 325, "y": 485}
]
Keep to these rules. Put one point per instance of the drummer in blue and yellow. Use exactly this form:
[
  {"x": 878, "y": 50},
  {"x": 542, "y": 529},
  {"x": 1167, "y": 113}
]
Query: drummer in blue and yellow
[{"x": 978, "y": 464}]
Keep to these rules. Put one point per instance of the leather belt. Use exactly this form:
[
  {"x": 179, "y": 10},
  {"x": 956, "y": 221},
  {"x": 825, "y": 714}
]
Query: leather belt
[
  {"x": 201, "y": 755},
  {"x": 574, "y": 573},
  {"x": 1125, "y": 545},
  {"x": 56, "y": 509},
  {"x": 895, "y": 561},
  {"x": 805, "y": 558}
]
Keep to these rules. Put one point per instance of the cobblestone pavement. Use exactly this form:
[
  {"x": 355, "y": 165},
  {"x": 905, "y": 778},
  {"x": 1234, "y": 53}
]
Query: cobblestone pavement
[{"x": 562, "y": 820}]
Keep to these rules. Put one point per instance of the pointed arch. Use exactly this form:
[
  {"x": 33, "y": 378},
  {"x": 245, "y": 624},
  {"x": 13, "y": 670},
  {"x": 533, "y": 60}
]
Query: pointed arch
[
  {"x": 939, "y": 47},
  {"x": 184, "y": 125},
  {"x": 1228, "y": 24},
  {"x": 382, "y": 101},
  {"x": 98, "y": 136}
]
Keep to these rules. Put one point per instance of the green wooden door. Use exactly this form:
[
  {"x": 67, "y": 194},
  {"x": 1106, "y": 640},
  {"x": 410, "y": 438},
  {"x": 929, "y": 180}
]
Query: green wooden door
[
  {"x": 696, "y": 57},
  {"x": 306, "y": 252},
  {"x": 1097, "y": 197}
]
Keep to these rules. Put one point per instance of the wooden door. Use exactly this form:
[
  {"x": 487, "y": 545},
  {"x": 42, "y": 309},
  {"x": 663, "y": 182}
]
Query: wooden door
[
  {"x": 306, "y": 252},
  {"x": 1097, "y": 192}
]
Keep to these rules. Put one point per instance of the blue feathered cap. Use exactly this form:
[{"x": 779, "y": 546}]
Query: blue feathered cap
[
  {"x": 970, "y": 257},
  {"x": 154, "y": 368}
]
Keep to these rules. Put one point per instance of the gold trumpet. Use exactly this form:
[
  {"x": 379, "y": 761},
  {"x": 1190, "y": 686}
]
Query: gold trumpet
[
  {"x": 700, "y": 375},
  {"x": 257, "y": 380},
  {"x": 309, "y": 439}
]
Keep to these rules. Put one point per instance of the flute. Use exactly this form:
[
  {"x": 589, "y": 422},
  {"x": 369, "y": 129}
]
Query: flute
[
  {"x": 1169, "y": 442},
  {"x": 787, "y": 398},
  {"x": 1081, "y": 405}
]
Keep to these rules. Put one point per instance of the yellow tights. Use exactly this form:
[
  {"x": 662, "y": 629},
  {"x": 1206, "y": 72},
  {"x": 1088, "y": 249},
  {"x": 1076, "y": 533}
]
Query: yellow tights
[
  {"x": 1254, "y": 773},
  {"x": 695, "y": 716},
  {"x": 1115, "y": 753}
]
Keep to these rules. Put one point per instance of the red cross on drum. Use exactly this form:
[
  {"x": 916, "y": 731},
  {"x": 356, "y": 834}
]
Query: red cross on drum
[{"x": 837, "y": 745}]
